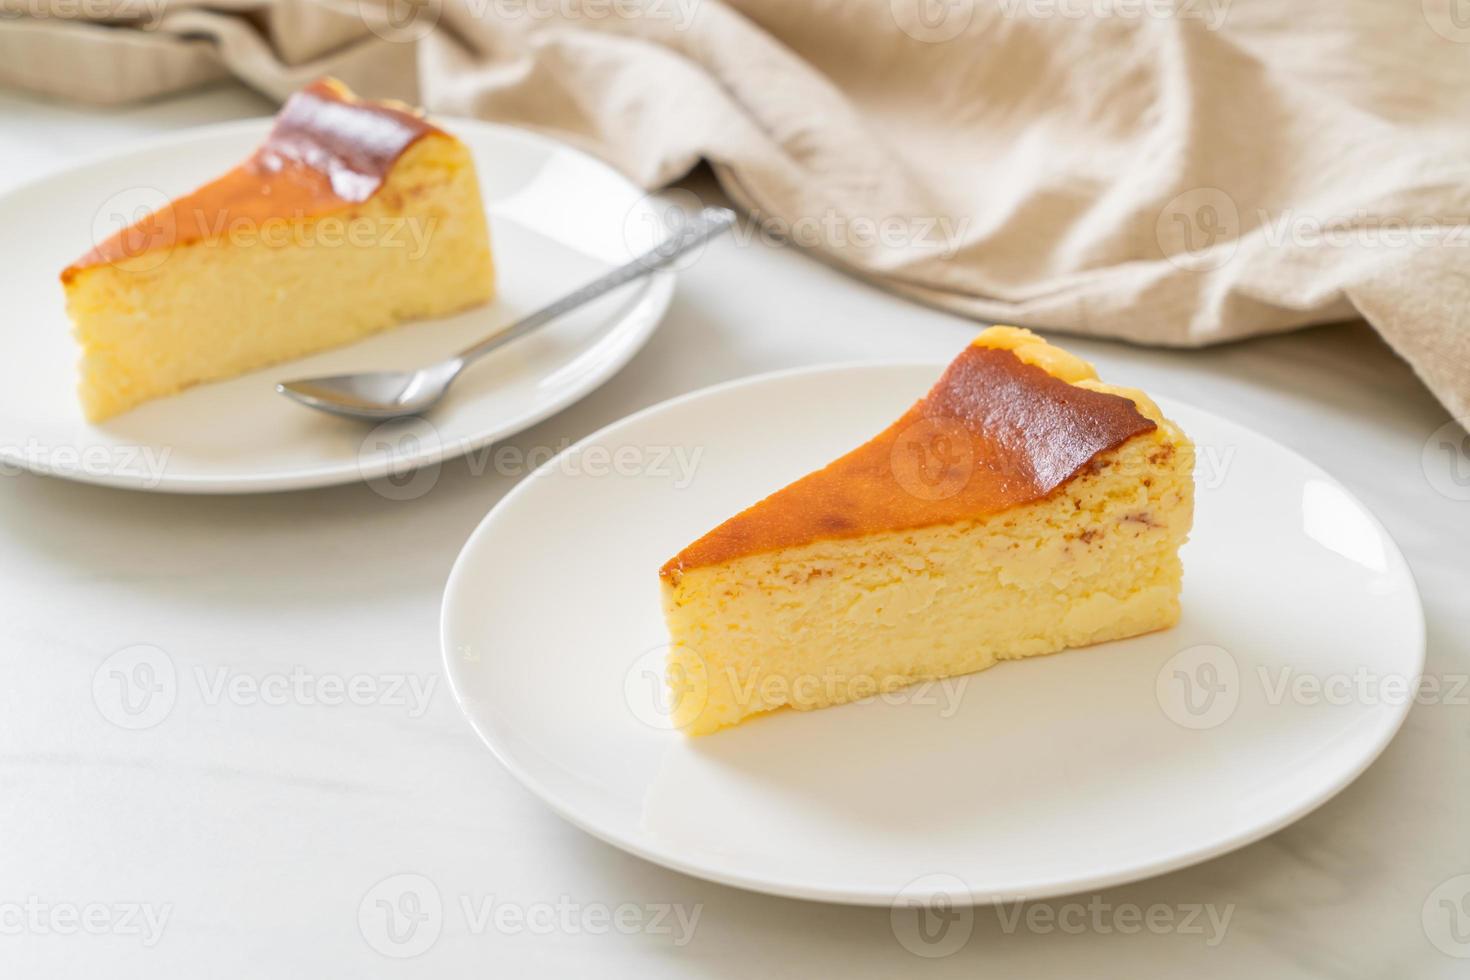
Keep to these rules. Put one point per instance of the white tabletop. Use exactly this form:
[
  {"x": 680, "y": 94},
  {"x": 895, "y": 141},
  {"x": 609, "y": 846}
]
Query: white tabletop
[{"x": 242, "y": 834}]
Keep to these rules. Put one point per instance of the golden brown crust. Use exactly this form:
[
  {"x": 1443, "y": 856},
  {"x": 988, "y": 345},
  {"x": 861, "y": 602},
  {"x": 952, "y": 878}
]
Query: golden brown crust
[
  {"x": 992, "y": 434},
  {"x": 327, "y": 151}
]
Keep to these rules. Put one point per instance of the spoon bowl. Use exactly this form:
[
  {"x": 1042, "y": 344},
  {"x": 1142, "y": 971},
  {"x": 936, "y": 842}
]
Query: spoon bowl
[{"x": 376, "y": 394}]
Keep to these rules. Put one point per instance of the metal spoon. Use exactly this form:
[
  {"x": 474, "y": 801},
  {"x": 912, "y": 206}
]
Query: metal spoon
[{"x": 390, "y": 394}]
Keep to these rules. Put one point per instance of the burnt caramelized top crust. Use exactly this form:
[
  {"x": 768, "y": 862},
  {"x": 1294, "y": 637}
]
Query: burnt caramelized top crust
[
  {"x": 328, "y": 150},
  {"x": 993, "y": 433}
]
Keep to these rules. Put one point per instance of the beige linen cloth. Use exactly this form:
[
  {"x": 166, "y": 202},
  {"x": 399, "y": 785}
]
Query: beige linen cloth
[{"x": 1177, "y": 172}]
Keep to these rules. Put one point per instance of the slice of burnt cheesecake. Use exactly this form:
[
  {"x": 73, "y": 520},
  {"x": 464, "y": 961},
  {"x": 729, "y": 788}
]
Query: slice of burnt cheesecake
[
  {"x": 1020, "y": 508},
  {"x": 352, "y": 217}
]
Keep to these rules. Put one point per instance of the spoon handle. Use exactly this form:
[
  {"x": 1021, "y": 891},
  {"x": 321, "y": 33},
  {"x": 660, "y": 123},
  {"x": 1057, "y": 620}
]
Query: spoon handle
[{"x": 706, "y": 225}]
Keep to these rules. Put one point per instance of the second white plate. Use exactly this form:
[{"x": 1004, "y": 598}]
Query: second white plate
[
  {"x": 558, "y": 219},
  {"x": 1297, "y": 659}
]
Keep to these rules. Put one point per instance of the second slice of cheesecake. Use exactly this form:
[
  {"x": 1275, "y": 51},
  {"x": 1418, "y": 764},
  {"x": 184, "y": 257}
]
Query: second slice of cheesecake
[{"x": 352, "y": 217}]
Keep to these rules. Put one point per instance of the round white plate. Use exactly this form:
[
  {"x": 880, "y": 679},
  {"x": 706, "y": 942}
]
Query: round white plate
[
  {"x": 558, "y": 218},
  {"x": 1296, "y": 660}
]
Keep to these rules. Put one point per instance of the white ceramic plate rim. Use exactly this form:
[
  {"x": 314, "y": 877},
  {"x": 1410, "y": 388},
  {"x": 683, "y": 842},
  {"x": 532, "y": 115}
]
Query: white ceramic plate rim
[
  {"x": 644, "y": 310},
  {"x": 670, "y": 858}
]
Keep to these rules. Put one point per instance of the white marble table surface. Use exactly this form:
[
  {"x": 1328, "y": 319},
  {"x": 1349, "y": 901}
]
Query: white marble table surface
[{"x": 253, "y": 832}]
